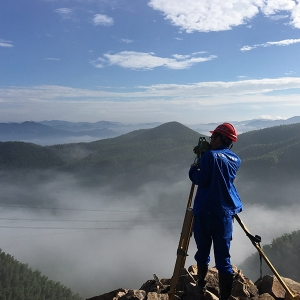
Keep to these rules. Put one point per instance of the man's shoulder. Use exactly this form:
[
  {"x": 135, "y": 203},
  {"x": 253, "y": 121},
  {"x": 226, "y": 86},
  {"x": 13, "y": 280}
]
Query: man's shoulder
[{"x": 225, "y": 152}]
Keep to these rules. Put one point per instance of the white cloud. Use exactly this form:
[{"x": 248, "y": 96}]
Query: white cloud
[
  {"x": 286, "y": 42},
  {"x": 127, "y": 41},
  {"x": 102, "y": 20},
  {"x": 206, "y": 15},
  {"x": 218, "y": 15},
  {"x": 274, "y": 6},
  {"x": 6, "y": 44},
  {"x": 148, "y": 61},
  {"x": 208, "y": 92},
  {"x": 65, "y": 13},
  {"x": 278, "y": 17},
  {"x": 187, "y": 103},
  {"x": 290, "y": 73},
  {"x": 267, "y": 117},
  {"x": 282, "y": 43},
  {"x": 296, "y": 16},
  {"x": 247, "y": 48},
  {"x": 52, "y": 58}
]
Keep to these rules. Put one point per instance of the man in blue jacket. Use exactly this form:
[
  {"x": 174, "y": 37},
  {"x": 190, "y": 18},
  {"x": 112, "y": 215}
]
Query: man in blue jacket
[{"x": 215, "y": 204}]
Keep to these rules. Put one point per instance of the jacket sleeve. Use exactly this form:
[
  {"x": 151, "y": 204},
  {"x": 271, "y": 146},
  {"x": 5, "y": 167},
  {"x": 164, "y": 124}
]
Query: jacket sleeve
[{"x": 202, "y": 176}]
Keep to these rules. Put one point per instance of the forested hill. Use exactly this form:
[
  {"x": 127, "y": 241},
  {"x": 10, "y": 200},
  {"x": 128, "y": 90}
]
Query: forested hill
[
  {"x": 273, "y": 151},
  {"x": 18, "y": 281},
  {"x": 138, "y": 147},
  {"x": 164, "y": 144},
  {"x": 257, "y": 143},
  {"x": 269, "y": 172},
  {"x": 164, "y": 149},
  {"x": 269, "y": 158},
  {"x": 27, "y": 155}
]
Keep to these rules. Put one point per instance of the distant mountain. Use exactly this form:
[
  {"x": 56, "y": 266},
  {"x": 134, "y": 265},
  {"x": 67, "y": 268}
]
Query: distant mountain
[
  {"x": 263, "y": 123},
  {"x": 63, "y": 132},
  {"x": 26, "y": 130},
  {"x": 80, "y": 126},
  {"x": 247, "y": 125}
]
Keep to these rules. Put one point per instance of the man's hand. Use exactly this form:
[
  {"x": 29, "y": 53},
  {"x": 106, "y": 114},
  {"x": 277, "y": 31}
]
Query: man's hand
[{"x": 195, "y": 165}]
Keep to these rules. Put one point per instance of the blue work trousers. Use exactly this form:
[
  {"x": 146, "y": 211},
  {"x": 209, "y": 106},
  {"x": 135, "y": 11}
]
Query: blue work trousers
[{"x": 210, "y": 228}]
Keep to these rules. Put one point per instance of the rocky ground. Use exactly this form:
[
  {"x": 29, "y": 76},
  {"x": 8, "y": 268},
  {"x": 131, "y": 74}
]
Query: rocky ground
[{"x": 266, "y": 288}]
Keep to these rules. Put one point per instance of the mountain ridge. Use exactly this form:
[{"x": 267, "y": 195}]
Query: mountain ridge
[
  {"x": 63, "y": 132},
  {"x": 265, "y": 153}
]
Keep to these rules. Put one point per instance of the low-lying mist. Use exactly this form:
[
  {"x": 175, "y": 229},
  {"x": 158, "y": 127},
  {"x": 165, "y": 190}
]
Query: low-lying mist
[{"x": 97, "y": 238}]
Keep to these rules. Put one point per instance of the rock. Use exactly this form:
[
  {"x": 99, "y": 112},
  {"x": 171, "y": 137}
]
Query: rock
[
  {"x": 267, "y": 288},
  {"x": 265, "y": 296},
  {"x": 270, "y": 284},
  {"x": 242, "y": 286},
  {"x": 210, "y": 296},
  {"x": 193, "y": 294},
  {"x": 156, "y": 296},
  {"x": 239, "y": 290},
  {"x": 193, "y": 270},
  {"x": 120, "y": 294},
  {"x": 110, "y": 295},
  {"x": 133, "y": 295},
  {"x": 213, "y": 281},
  {"x": 151, "y": 286},
  {"x": 293, "y": 285}
]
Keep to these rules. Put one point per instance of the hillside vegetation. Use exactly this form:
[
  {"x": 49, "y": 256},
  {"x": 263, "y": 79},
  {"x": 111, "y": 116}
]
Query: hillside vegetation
[
  {"x": 27, "y": 155},
  {"x": 270, "y": 146},
  {"x": 269, "y": 173},
  {"x": 141, "y": 147},
  {"x": 18, "y": 281}
]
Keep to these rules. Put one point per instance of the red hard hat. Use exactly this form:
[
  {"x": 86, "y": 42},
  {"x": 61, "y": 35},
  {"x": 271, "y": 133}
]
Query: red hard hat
[{"x": 228, "y": 130}]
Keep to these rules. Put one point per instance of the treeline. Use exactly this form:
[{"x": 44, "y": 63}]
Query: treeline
[
  {"x": 18, "y": 281},
  {"x": 269, "y": 172},
  {"x": 268, "y": 142},
  {"x": 284, "y": 255},
  {"x": 27, "y": 155}
]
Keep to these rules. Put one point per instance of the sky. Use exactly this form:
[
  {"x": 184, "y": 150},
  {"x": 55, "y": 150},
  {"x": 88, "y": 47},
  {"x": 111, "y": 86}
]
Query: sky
[{"x": 134, "y": 61}]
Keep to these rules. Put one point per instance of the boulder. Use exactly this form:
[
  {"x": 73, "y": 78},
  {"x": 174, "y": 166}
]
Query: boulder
[
  {"x": 293, "y": 285},
  {"x": 265, "y": 296},
  {"x": 111, "y": 295},
  {"x": 270, "y": 285},
  {"x": 133, "y": 295},
  {"x": 157, "y": 296}
]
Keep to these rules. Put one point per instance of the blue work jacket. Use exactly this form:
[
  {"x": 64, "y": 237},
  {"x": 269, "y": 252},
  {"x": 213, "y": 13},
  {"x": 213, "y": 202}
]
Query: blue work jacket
[{"x": 216, "y": 193}]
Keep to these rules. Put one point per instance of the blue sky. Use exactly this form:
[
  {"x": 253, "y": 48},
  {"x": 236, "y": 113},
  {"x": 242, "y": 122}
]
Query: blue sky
[{"x": 192, "y": 61}]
